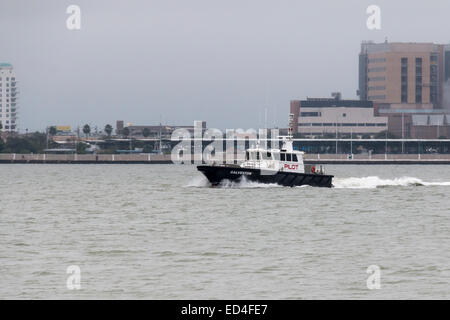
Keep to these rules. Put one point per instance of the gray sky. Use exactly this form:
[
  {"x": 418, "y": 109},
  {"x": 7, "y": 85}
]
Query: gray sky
[{"x": 223, "y": 61}]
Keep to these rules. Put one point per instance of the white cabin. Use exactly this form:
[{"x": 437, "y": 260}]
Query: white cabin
[{"x": 284, "y": 159}]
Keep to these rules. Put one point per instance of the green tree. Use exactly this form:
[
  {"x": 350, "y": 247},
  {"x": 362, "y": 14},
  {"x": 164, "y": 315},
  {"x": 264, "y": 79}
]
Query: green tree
[
  {"x": 146, "y": 132},
  {"x": 86, "y": 130},
  {"x": 108, "y": 130},
  {"x": 32, "y": 143},
  {"x": 52, "y": 131},
  {"x": 81, "y": 147},
  {"x": 126, "y": 132}
]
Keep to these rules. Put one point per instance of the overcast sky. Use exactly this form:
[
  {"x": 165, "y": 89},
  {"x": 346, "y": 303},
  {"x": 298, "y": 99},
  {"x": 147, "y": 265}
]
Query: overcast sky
[{"x": 223, "y": 61}]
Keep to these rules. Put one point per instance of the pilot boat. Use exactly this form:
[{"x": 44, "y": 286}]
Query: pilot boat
[{"x": 280, "y": 166}]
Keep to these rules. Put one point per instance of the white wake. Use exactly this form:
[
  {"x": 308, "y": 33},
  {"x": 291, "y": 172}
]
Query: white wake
[
  {"x": 371, "y": 182},
  {"x": 243, "y": 183},
  {"x": 199, "y": 182},
  {"x": 376, "y": 182}
]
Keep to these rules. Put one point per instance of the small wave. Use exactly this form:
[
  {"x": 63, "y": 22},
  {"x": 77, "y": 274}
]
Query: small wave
[
  {"x": 376, "y": 182},
  {"x": 244, "y": 183}
]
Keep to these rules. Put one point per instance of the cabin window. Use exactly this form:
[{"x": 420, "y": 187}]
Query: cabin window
[
  {"x": 294, "y": 158},
  {"x": 288, "y": 157},
  {"x": 283, "y": 156},
  {"x": 266, "y": 155},
  {"x": 257, "y": 156},
  {"x": 247, "y": 156}
]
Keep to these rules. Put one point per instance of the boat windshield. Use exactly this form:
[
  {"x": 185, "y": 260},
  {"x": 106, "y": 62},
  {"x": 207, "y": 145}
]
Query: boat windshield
[{"x": 266, "y": 156}]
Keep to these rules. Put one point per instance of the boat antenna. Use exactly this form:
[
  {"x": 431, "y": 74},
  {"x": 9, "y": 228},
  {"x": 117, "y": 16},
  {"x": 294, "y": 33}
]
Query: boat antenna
[{"x": 291, "y": 125}]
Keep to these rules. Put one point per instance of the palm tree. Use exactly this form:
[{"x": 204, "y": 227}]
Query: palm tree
[
  {"x": 86, "y": 130},
  {"x": 146, "y": 132},
  {"x": 108, "y": 130}
]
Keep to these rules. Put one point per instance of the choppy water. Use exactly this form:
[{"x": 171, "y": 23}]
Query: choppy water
[{"x": 158, "y": 232}]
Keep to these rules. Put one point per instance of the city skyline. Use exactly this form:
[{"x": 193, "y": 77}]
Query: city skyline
[{"x": 226, "y": 64}]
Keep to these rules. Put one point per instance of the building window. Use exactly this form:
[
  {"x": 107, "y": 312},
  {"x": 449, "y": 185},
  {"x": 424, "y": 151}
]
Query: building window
[
  {"x": 310, "y": 114},
  {"x": 377, "y": 79},
  {"x": 377, "y": 60},
  {"x": 377, "y": 69},
  {"x": 434, "y": 84},
  {"x": 382, "y": 97},
  {"x": 404, "y": 75},
  {"x": 418, "y": 80},
  {"x": 378, "y": 88}
]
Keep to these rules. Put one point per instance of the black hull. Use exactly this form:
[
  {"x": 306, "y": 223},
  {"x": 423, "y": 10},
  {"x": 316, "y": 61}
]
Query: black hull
[{"x": 217, "y": 174}]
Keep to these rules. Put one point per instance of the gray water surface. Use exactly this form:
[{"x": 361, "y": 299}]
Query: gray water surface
[{"x": 159, "y": 232}]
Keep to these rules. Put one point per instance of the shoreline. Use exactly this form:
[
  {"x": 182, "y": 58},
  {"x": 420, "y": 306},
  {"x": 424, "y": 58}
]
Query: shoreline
[{"x": 310, "y": 159}]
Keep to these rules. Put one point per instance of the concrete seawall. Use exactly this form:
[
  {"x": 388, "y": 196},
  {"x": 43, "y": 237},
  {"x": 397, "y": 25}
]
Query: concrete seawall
[
  {"x": 166, "y": 159},
  {"x": 84, "y": 158}
]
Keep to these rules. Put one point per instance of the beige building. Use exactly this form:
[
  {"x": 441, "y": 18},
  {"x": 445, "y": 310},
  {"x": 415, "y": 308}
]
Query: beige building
[
  {"x": 335, "y": 116},
  {"x": 406, "y": 73},
  {"x": 410, "y": 84}
]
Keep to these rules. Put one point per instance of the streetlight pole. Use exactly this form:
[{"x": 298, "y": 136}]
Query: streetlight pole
[
  {"x": 336, "y": 134},
  {"x": 385, "y": 146},
  {"x": 418, "y": 143},
  {"x": 46, "y": 137},
  {"x": 160, "y": 139},
  {"x": 351, "y": 142},
  {"x": 403, "y": 133}
]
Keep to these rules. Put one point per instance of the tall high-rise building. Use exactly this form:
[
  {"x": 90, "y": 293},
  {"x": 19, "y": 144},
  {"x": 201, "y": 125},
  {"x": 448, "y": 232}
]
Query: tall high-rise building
[
  {"x": 404, "y": 73},
  {"x": 8, "y": 97}
]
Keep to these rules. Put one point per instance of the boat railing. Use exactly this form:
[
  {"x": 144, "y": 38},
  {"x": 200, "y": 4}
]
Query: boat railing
[{"x": 258, "y": 164}]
